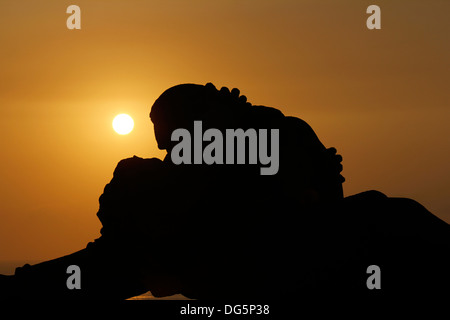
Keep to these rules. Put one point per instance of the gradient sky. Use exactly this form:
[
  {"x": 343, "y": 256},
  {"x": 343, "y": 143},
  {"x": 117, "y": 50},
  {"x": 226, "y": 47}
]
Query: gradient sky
[{"x": 380, "y": 97}]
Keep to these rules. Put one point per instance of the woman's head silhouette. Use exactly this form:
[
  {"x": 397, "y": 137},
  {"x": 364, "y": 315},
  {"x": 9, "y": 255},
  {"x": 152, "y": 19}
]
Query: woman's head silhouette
[{"x": 309, "y": 169}]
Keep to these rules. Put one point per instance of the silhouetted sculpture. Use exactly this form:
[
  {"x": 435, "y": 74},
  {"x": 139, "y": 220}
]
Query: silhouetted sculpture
[{"x": 225, "y": 231}]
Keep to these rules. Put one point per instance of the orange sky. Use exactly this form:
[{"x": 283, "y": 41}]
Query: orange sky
[{"x": 380, "y": 97}]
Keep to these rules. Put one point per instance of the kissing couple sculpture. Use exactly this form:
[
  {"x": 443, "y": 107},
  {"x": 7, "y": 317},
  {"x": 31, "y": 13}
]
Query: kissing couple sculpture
[{"x": 224, "y": 231}]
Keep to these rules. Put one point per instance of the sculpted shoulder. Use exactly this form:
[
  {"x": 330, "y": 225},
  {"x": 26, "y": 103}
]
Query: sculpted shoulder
[{"x": 134, "y": 166}]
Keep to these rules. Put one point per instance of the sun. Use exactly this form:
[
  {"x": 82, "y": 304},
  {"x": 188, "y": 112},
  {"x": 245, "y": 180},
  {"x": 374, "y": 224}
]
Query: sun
[{"x": 123, "y": 124}]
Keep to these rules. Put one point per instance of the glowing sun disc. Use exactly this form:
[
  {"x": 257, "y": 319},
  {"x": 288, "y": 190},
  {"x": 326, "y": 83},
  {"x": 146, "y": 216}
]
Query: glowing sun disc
[{"x": 123, "y": 124}]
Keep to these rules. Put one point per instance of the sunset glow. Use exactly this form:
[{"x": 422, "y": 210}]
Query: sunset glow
[{"x": 123, "y": 124}]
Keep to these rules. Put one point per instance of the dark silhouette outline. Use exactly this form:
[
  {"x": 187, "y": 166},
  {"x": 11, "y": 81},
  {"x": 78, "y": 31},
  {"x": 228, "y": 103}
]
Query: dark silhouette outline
[{"x": 225, "y": 231}]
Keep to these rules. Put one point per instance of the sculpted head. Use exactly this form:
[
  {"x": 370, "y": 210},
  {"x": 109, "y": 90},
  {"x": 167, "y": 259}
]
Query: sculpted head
[
  {"x": 181, "y": 105},
  {"x": 304, "y": 160}
]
